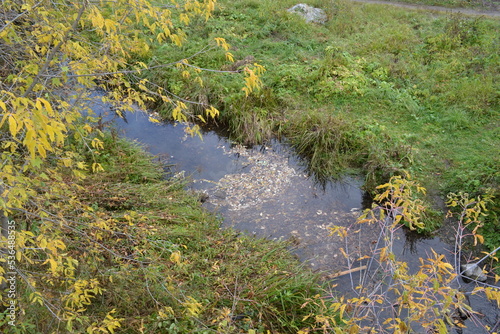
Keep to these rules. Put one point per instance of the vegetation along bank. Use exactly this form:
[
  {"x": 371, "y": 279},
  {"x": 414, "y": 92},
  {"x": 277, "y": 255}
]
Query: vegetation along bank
[
  {"x": 376, "y": 88},
  {"x": 96, "y": 241}
]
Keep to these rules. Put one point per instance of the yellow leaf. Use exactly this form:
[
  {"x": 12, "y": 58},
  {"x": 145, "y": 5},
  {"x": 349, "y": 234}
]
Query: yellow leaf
[
  {"x": 193, "y": 307},
  {"x": 96, "y": 167},
  {"x": 212, "y": 112},
  {"x": 67, "y": 162},
  {"x": 35, "y": 297},
  {"x": 383, "y": 255},
  {"x": 478, "y": 237},
  {"x": 47, "y": 106},
  {"x": 342, "y": 310},
  {"x": 184, "y": 18},
  {"x": 175, "y": 257},
  {"x": 43, "y": 243},
  {"x": 42, "y": 151},
  {"x": 12, "y": 126},
  {"x": 87, "y": 128},
  {"x": 354, "y": 329},
  {"x": 53, "y": 265}
]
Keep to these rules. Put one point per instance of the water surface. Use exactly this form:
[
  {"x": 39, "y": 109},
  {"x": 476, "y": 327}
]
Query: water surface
[{"x": 266, "y": 191}]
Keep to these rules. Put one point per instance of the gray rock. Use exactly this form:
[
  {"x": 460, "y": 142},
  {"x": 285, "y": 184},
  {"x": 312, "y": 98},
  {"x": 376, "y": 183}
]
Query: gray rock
[
  {"x": 473, "y": 271},
  {"x": 220, "y": 194},
  {"x": 310, "y": 14}
]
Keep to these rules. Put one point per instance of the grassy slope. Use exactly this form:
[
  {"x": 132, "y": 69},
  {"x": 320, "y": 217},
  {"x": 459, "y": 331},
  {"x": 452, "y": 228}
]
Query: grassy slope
[
  {"x": 397, "y": 88},
  {"x": 197, "y": 277}
]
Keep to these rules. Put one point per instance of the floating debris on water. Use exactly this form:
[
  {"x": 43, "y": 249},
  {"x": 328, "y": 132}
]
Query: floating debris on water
[
  {"x": 272, "y": 197},
  {"x": 264, "y": 176}
]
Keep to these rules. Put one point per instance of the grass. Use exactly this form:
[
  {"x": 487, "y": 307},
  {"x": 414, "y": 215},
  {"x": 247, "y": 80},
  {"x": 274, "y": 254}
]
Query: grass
[{"x": 378, "y": 88}]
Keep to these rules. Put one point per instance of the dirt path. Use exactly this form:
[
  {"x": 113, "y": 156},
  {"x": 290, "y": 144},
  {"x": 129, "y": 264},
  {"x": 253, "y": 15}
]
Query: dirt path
[{"x": 467, "y": 11}]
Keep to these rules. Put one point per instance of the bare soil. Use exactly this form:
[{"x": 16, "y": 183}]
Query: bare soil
[{"x": 490, "y": 8}]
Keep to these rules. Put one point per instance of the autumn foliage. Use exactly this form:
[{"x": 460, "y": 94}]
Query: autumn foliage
[{"x": 53, "y": 56}]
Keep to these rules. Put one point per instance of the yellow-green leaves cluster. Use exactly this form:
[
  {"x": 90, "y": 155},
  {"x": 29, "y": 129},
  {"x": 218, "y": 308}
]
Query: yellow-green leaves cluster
[
  {"x": 34, "y": 125},
  {"x": 398, "y": 300},
  {"x": 400, "y": 198},
  {"x": 472, "y": 211},
  {"x": 58, "y": 53},
  {"x": 252, "y": 79}
]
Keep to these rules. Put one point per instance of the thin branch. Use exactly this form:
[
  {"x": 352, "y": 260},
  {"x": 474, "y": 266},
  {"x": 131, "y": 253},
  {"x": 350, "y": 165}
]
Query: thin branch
[
  {"x": 54, "y": 51},
  {"x": 149, "y": 291},
  {"x": 181, "y": 303},
  {"x": 488, "y": 255},
  {"x": 48, "y": 305},
  {"x": 210, "y": 70},
  {"x": 19, "y": 16},
  {"x": 172, "y": 94},
  {"x": 128, "y": 258},
  {"x": 149, "y": 68}
]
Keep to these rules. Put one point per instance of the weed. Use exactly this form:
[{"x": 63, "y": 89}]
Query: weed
[{"x": 326, "y": 141}]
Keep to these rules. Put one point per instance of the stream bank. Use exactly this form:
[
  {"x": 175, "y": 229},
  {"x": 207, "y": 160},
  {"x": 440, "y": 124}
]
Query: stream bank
[{"x": 265, "y": 191}]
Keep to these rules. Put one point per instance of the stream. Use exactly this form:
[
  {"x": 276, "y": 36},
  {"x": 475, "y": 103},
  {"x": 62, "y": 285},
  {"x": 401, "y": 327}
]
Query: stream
[{"x": 266, "y": 191}]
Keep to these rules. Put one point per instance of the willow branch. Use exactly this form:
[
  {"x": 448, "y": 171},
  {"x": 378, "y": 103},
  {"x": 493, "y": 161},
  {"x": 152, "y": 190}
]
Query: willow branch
[
  {"x": 55, "y": 50},
  {"x": 149, "y": 68},
  {"x": 19, "y": 16}
]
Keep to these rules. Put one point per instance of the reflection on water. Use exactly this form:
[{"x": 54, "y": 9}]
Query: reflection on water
[{"x": 265, "y": 191}]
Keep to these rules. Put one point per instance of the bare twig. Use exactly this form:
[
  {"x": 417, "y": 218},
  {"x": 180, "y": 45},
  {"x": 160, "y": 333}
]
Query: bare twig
[
  {"x": 149, "y": 68},
  {"x": 345, "y": 272}
]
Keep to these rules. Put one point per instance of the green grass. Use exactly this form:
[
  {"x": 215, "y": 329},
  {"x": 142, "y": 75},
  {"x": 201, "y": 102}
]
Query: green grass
[{"x": 400, "y": 89}]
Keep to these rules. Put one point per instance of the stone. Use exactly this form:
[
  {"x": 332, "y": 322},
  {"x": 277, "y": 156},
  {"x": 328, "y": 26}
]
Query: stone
[
  {"x": 472, "y": 270},
  {"x": 203, "y": 197},
  {"x": 310, "y": 14}
]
